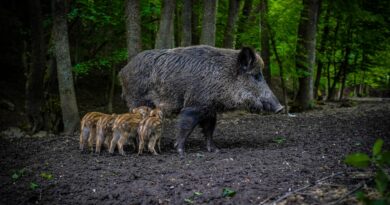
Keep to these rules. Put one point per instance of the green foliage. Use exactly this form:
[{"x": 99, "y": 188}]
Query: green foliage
[
  {"x": 98, "y": 40},
  {"x": 46, "y": 176},
  {"x": 381, "y": 160},
  {"x": 18, "y": 174},
  {"x": 227, "y": 192},
  {"x": 103, "y": 63},
  {"x": 34, "y": 186},
  {"x": 190, "y": 200},
  {"x": 279, "y": 139},
  {"x": 360, "y": 160}
]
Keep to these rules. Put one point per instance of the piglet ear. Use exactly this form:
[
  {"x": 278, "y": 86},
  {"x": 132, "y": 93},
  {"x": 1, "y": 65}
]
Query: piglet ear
[{"x": 245, "y": 60}]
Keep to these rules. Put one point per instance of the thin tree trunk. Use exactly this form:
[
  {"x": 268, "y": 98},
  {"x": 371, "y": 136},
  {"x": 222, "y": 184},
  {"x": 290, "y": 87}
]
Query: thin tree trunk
[
  {"x": 209, "y": 22},
  {"x": 187, "y": 26},
  {"x": 228, "y": 40},
  {"x": 195, "y": 22},
  {"x": 362, "y": 82},
  {"x": 336, "y": 79},
  {"x": 345, "y": 68},
  {"x": 265, "y": 50},
  {"x": 281, "y": 70},
  {"x": 242, "y": 25},
  {"x": 336, "y": 30},
  {"x": 321, "y": 50},
  {"x": 133, "y": 28},
  {"x": 165, "y": 35},
  {"x": 64, "y": 68},
  {"x": 34, "y": 81},
  {"x": 177, "y": 28},
  {"x": 112, "y": 90},
  {"x": 305, "y": 52},
  {"x": 171, "y": 39},
  {"x": 328, "y": 78}
]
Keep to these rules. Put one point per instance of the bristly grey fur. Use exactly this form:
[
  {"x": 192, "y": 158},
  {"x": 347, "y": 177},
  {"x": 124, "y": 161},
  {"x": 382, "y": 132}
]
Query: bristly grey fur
[{"x": 199, "y": 76}]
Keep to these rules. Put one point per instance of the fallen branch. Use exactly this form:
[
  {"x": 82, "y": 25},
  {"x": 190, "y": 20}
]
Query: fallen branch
[
  {"x": 302, "y": 188},
  {"x": 359, "y": 186}
]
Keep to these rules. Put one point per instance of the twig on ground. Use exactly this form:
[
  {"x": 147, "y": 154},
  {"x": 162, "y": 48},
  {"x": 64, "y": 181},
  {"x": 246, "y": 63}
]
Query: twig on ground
[
  {"x": 302, "y": 188},
  {"x": 359, "y": 186}
]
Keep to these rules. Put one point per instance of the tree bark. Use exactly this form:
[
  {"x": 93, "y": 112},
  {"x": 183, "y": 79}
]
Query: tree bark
[
  {"x": 228, "y": 41},
  {"x": 321, "y": 50},
  {"x": 265, "y": 48},
  {"x": 305, "y": 52},
  {"x": 336, "y": 30},
  {"x": 281, "y": 70},
  {"x": 208, "y": 22},
  {"x": 69, "y": 108},
  {"x": 34, "y": 81},
  {"x": 187, "y": 26},
  {"x": 165, "y": 32},
  {"x": 195, "y": 22},
  {"x": 112, "y": 90},
  {"x": 344, "y": 68},
  {"x": 133, "y": 28}
]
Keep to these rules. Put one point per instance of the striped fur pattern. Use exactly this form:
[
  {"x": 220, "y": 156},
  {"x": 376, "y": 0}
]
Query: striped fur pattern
[
  {"x": 126, "y": 125},
  {"x": 88, "y": 129},
  {"x": 150, "y": 130},
  {"x": 104, "y": 130}
]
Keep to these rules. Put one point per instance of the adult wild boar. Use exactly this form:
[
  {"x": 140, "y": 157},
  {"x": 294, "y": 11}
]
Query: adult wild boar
[{"x": 197, "y": 82}]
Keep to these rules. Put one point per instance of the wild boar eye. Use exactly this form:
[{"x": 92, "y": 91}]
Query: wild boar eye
[{"x": 258, "y": 77}]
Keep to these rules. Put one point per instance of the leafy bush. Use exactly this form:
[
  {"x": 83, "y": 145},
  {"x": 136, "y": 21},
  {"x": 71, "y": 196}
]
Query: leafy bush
[{"x": 381, "y": 161}]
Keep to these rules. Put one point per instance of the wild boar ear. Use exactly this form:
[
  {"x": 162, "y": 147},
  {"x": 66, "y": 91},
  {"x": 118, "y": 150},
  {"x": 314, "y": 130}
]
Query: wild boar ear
[{"x": 245, "y": 60}]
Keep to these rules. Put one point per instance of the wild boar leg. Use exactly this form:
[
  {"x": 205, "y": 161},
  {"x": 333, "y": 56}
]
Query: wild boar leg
[
  {"x": 99, "y": 139},
  {"x": 208, "y": 127},
  {"x": 84, "y": 135},
  {"x": 115, "y": 137},
  {"x": 188, "y": 120},
  {"x": 92, "y": 138},
  {"x": 122, "y": 141}
]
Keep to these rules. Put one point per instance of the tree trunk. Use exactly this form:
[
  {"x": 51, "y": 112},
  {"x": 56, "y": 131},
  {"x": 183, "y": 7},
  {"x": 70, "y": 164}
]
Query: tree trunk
[
  {"x": 344, "y": 68},
  {"x": 69, "y": 108},
  {"x": 242, "y": 25},
  {"x": 228, "y": 40},
  {"x": 265, "y": 50},
  {"x": 165, "y": 31},
  {"x": 305, "y": 52},
  {"x": 336, "y": 79},
  {"x": 195, "y": 22},
  {"x": 171, "y": 39},
  {"x": 281, "y": 70},
  {"x": 35, "y": 73},
  {"x": 187, "y": 26},
  {"x": 328, "y": 77},
  {"x": 52, "y": 116},
  {"x": 208, "y": 22},
  {"x": 112, "y": 90},
  {"x": 133, "y": 28},
  {"x": 321, "y": 50},
  {"x": 336, "y": 30}
]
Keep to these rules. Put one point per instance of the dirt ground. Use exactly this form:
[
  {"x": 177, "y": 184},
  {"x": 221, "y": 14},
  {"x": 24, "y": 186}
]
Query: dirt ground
[{"x": 262, "y": 158}]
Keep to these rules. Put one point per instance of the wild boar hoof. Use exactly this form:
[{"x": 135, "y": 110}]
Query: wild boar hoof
[
  {"x": 181, "y": 153},
  {"x": 212, "y": 148}
]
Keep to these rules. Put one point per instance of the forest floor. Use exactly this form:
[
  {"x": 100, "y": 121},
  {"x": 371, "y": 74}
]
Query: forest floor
[{"x": 296, "y": 159}]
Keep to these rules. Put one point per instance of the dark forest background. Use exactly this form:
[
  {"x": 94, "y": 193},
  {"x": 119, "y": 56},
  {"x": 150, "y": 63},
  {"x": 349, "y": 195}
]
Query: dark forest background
[{"x": 60, "y": 58}]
